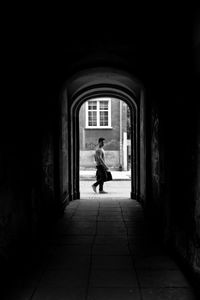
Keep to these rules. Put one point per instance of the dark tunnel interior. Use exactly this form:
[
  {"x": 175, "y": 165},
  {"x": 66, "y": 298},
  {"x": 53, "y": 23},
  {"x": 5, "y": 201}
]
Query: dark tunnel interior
[{"x": 51, "y": 63}]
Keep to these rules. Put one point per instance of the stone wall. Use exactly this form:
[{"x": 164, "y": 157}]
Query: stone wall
[
  {"x": 175, "y": 178},
  {"x": 15, "y": 195},
  {"x": 64, "y": 150},
  {"x": 196, "y": 244}
]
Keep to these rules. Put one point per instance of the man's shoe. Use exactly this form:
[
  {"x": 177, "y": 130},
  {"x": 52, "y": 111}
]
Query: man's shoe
[
  {"x": 103, "y": 192},
  {"x": 94, "y": 188}
]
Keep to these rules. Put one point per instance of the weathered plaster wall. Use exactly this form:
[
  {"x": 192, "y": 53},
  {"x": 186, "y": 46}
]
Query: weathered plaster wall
[
  {"x": 48, "y": 171},
  {"x": 13, "y": 210},
  {"x": 142, "y": 145},
  {"x": 186, "y": 229},
  {"x": 175, "y": 168},
  {"x": 87, "y": 159},
  {"x": 155, "y": 158},
  {"x": 64, "y": 150},
  {"x": 196, "y": 243},
  {"x": 15, "y": 190}
]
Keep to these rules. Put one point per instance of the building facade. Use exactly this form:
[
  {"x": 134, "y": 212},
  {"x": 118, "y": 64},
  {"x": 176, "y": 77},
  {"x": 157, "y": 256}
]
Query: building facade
[{"x": 109, "y": 118}]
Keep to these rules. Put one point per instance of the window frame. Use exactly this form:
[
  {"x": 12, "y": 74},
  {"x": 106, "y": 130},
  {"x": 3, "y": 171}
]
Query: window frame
[{"x": 98, "y": 126}]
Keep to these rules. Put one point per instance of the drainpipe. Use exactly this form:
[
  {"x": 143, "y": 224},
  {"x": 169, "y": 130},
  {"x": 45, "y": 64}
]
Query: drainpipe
[{"x": 120, "y": 137}]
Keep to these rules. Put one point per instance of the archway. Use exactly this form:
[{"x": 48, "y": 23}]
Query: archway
[{"x": 94, "y": 83}]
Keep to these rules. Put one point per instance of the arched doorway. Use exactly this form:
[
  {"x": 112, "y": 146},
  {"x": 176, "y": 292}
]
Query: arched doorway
[
  {"x": 111, "y": 119},
  {"x": 94, "y": 83}
]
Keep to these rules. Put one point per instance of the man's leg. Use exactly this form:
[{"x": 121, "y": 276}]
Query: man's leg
[
  {"x": 101, "y": 186},
  {"x": 98, "y": 182},
  {"x": 103, "y": 178}
]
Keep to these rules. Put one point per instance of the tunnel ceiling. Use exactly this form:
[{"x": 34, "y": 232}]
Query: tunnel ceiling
[{"x": 43, "y": 48}]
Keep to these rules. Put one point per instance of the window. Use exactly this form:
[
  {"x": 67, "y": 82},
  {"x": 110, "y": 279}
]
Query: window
[{"x": 98, "y": 113}]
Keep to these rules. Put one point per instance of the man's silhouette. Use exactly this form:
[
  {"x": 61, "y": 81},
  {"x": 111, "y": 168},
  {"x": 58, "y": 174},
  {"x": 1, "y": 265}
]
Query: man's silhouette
[{"x": 101, "y": 167}]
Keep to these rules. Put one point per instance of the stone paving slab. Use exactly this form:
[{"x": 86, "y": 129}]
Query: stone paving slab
[
  {"x": 112, "y": 262},
  {"x": 108, "y": 250},
  {"x": 59, "y": 293},
  {"x": 69, "y": 262},
  {"x": 111, "y": 239},
  {"x": 114, "y": 293},
  {"x": 155, "y": 263},
  {"x": 66, "y": 278},
  {"x": 71, "y": 240},
  {"x": 19, "y": 293},
  {"x": 113, "y": 278},
  {"x": 103, "y": 252},
  {"x": 168, "y": 294},
  {"x": 162, "y": 278}
]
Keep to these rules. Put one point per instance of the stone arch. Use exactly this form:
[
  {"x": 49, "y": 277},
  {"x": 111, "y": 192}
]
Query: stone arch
[{"x": 93, "y": 83}]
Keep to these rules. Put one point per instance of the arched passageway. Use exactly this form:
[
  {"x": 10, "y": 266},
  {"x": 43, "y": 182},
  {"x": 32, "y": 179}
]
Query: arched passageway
[
  {"x": 103, "y": 83},
  {"x": 39, "y": 156}
]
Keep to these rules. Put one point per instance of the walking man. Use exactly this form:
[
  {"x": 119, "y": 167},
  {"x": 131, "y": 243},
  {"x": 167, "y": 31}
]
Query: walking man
[{"x": 101, "y": 167}]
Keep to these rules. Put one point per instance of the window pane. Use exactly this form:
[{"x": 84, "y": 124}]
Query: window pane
[
  {"x": 92, "y": 118},
  {"x": 103, "y": 118},
  {"x": 103, "y": 105},
  {"x": 92, "y": 105}
]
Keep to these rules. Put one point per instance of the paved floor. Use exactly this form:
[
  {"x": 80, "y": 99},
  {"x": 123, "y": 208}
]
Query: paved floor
[
  {"x": 115, "y": 189},
  {"x": 102, "y": 249}
]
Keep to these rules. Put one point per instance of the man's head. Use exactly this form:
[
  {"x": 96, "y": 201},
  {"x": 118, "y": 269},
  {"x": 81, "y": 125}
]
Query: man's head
[{"x": 101, "y": 141}]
